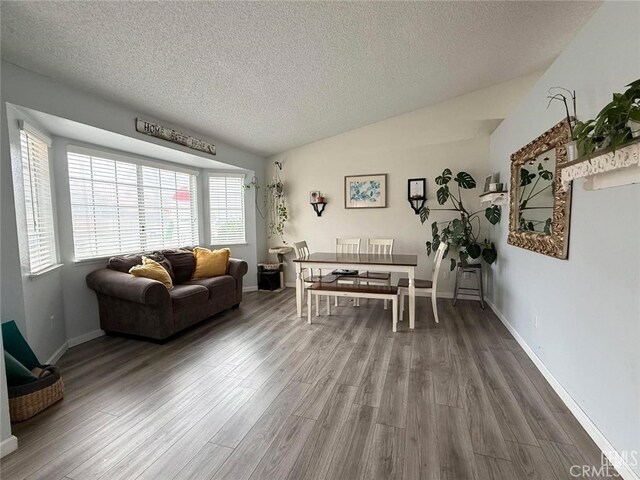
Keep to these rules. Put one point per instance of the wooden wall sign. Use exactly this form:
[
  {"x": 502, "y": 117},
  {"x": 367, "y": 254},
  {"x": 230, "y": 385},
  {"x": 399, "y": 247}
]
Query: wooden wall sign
[{"x": 174, "y": 136}]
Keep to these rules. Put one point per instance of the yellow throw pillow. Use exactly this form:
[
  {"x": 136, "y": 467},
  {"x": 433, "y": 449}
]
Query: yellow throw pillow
[
  {"x": 210, "y": 263},
  {"x": 153, "y": 270}
]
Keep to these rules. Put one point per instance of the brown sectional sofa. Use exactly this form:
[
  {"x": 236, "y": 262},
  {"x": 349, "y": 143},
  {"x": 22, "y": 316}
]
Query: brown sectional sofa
[{"x": 143, "y": 307}]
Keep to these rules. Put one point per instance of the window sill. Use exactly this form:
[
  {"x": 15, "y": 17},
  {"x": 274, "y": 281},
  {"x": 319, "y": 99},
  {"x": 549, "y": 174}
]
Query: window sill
[
  {"x": 89, "y": 261},
  {"x": 42, "y": 273}
]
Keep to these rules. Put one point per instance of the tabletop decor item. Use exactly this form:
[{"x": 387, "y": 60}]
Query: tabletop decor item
[
  {"x": 460, "y": 233},
  {"x": 365, "y": 191}
]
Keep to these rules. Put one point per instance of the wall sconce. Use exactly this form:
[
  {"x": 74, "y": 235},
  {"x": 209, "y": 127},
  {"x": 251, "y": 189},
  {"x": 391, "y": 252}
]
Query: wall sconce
[
  {"x": 317, "y": 202},
  {"x": 416, "y": 193}
]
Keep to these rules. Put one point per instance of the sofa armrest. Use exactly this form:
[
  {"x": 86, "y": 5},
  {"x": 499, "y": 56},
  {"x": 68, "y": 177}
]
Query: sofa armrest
[
  {"x": 123, "y": 285},
  {"x": 237, "y": 268}
]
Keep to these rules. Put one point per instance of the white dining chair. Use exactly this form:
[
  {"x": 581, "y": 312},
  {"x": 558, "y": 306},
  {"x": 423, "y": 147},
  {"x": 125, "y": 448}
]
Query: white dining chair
[
  {"x": 424, "y": 288},
  {"x": 378, "y": 246},
  {"x": 350, "y": 246},
  {"x": 309, "y": 278}
]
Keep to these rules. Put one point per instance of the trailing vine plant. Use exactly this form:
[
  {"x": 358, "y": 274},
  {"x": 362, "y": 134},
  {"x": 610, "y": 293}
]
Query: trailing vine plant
[
  {"x": 274, "y": 209},
  {"x": 463, "y": 232}
]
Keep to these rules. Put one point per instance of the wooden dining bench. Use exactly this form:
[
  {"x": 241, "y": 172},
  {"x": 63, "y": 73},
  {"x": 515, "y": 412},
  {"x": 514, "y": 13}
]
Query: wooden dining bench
[{"x": 383, "y": 292}]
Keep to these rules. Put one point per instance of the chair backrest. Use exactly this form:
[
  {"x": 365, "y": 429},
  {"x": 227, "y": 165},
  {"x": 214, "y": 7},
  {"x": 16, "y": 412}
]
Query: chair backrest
[
  {"x": 380, "y": 246},
  {"x": 437, "y": 262},
  {"x": 301, "y": 248},
  {"x": 347, "y": 245}
]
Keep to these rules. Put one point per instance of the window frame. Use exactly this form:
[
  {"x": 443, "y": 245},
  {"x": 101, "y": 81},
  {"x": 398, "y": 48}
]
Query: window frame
[
  {"x": 207, "y": 201},
  {"x": 139, "y": 163},
  {"x": 20, "y": 195}
]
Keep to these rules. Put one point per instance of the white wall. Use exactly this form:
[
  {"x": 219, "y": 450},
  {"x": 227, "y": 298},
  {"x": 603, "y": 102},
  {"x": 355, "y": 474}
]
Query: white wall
[
  {"x": 453, "y": 134},
  {"x": 63, "y": 293},
  {"x": 589, "y": 305}
]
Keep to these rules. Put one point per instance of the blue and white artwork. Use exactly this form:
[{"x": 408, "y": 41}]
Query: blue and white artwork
[{"x": 365, "y": 191}]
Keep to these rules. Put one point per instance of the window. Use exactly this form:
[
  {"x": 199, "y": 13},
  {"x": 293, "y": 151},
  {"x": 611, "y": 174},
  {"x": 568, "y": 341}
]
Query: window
[
  {"x": 119, "y": 205},
  {"x": 226, "y": 209},
  {"x": 37, "y": 199}
]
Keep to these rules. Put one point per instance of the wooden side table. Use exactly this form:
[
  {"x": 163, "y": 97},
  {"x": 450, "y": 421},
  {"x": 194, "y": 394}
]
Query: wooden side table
[{"x": 476, "y": 270}]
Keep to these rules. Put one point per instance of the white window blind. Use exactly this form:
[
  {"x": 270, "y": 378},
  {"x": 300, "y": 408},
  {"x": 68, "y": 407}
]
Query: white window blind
[
  {"x": 226, "y": 209},
  {"x": 37, "y": 199},
  {"x": 124, "y": 207}
]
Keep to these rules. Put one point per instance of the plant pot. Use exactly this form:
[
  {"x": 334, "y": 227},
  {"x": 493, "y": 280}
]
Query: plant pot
[
  {"x": 572, "y": 150},
  {"x": 634, "y": 127}
]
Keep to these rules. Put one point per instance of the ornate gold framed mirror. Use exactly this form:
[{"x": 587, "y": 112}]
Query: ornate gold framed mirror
[{"x": 539, "y": 207}]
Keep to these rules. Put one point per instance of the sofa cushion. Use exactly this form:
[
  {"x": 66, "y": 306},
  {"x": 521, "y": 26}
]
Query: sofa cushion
[
  {"x": 217, "y": 286},
  {"x": 153, "y": 270},
  {"x": 183, "y": 263},
  {"x": 123, "y": 263},
  {"x": 210, "y": 263},
  {"x": 188, "y": 295}
]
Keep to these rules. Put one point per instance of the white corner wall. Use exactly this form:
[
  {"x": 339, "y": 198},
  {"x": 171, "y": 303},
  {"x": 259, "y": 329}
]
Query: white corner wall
[
  {"x": 588, "y": 306},
  {"x": 453, "y": 134}
]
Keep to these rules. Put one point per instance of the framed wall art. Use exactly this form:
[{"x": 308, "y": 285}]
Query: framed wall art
[{"x": 365, "y": 191}]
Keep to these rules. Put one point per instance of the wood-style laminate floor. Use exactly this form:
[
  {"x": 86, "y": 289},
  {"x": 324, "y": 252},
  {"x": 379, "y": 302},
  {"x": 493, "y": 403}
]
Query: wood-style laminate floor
[{"x": 259, "y": 394}]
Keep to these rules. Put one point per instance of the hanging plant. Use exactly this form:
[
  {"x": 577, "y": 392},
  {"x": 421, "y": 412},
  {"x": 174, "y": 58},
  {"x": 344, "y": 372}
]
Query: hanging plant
[{"x": 275, "y": 207}]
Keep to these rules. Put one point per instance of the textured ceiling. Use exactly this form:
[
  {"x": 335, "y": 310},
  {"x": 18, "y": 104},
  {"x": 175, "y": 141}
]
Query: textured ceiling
[{"x": 269, "y": 76}]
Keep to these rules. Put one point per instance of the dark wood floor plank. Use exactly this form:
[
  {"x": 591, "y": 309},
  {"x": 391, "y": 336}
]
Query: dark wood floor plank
[
  {"x": 486, "y": 436},
  {"x": 490, "y": 468},
  {"x": 386, "y": 459},
  {"x": 232, "y": 433},
  {"x": 421, "y": 433},
  {"x": 568, "y": 462},
  {"x": 393, "y": 404},
  {"x": 537, "y": 412},
  {"x": 179, "y": 455},
  {"x": 359, "y": 358},
  {"x": 371, "y": 386},
  {"x": 316, "y": 397},
  {"x": 101, "y": 453},
  {"x": 22, "y": 466},
  {"x": 353, "y": 446},
  {"x": 248, "y": 454},
  {"x": 509, "y": 415},
  {"x": 455, "y": 451},
  {"x": 204, "y": 464},
  {"x": 315, "y": 458},
  {"x": 279, "y": 459},
  {"x": 530, "y": 463}
]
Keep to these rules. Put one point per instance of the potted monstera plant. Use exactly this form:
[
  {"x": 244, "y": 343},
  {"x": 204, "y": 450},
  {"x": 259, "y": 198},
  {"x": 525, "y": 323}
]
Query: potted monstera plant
[{"x": 461, "y": 233}]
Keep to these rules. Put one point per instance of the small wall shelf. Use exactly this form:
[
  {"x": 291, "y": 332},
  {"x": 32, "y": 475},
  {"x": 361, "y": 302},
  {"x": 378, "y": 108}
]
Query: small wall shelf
[
  {"x": 494, "y": 198},
  {"x": 605, "y": 169},
  {"x": 318, "y": 207}
]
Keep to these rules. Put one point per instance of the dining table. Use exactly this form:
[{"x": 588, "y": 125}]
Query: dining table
[{"x": 392, "y": 263}]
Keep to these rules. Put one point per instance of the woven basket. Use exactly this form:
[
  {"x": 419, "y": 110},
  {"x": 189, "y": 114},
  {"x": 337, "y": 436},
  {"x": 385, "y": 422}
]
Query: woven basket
[{"x": 25, "y": 401}]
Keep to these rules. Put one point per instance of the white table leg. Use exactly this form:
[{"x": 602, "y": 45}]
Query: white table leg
[
  {"x": 394, "y": 305},
  {"x": 299, "y": 289},
  {"x": 412, "y": 298},
  {"x": 309, "y": 307}
]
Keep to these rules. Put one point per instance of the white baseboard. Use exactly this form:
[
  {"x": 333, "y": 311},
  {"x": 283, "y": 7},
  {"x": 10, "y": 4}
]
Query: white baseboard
[
  {"x": 58, "y": 353},
  {"x": 592, "y": 430},
  {"x": 72, "y": 342},
  {"x": 9, "y": 445},
  {"x": 253, "y": 288}
]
